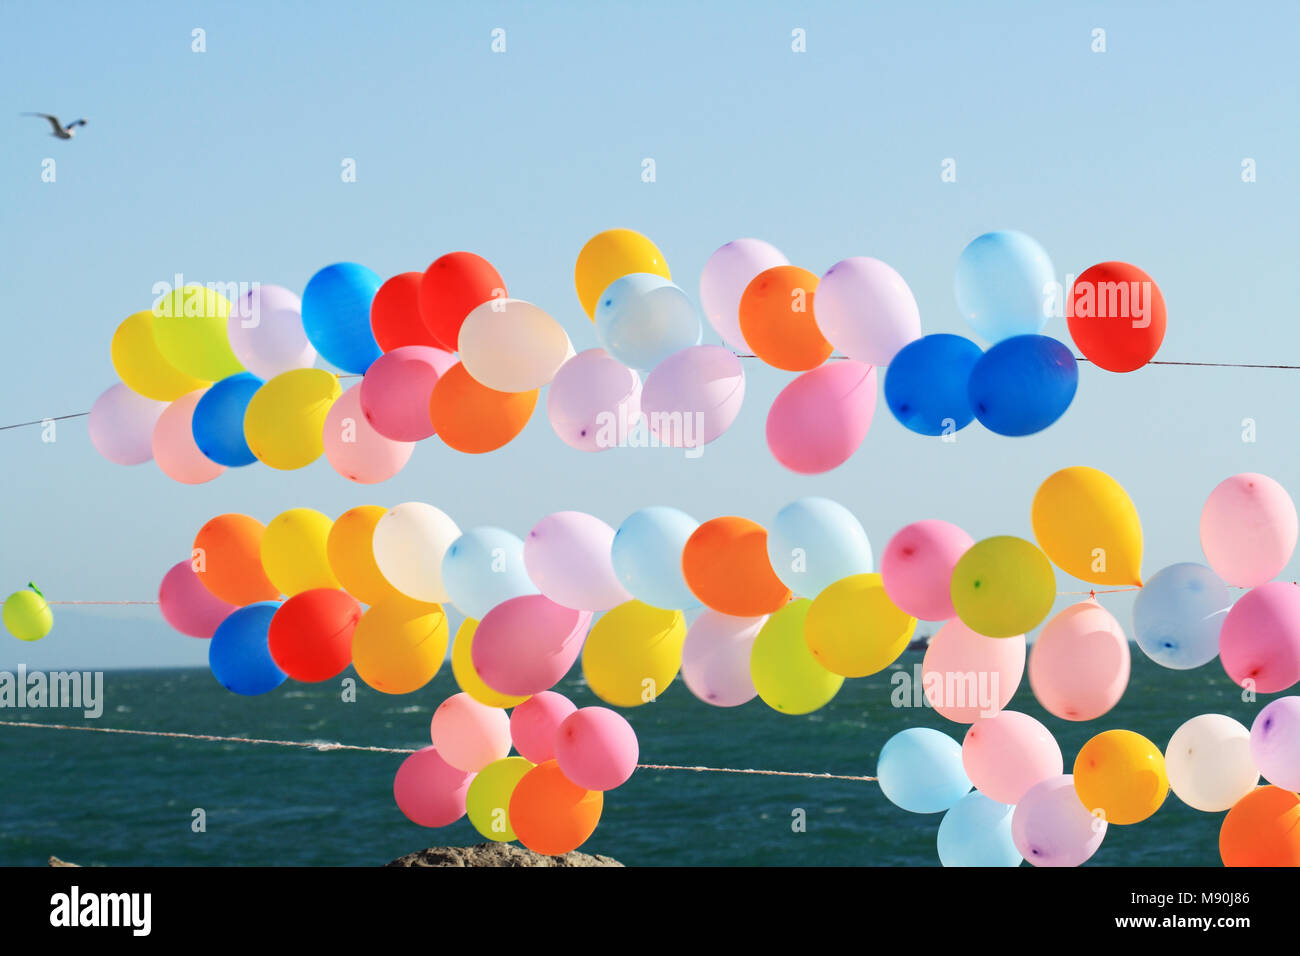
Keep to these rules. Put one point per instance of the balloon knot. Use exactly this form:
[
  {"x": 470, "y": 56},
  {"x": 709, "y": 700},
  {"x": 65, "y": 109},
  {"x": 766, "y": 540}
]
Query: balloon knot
[
  {"x": 1092, "y": 594},
  {"x": 35, "y": 588}
]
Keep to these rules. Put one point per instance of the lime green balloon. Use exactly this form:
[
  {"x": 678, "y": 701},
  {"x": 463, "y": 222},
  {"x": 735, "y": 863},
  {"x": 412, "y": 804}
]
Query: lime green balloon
[
  {"x": 487, "y": 801},
  {"x": 189, "y": 328},
  {"x": 785, "y": 672},
  {"x": 1003, "y": 587},
  {"x": 27, "y": 616}
]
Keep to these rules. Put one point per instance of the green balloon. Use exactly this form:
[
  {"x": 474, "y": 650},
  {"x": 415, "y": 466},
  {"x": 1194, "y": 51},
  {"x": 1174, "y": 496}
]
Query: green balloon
[
  {"x": 27, "y": 616},
  {"x": 487, "y": 802},
  {"x": 1003, "y": 587},
  {"x": 786, "y": 675}
]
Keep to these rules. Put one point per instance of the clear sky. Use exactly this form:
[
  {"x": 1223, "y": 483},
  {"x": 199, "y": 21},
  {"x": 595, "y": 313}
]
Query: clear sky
[{"x": 225, "y": 166}]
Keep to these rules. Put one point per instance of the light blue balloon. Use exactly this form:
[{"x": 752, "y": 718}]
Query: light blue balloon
[
  {"x": 641, "y": 319},
  {"x": 814, "y": 542},
  {"x": 921, "y": 771},
  {"x": 336, "y": 315},
  {"x": 1178, "y": 615},
  {"x": 239, "y": 653},
  {"x": 484, "y": 567},
  {"x": 1002, "y": 285},
  {"x": 647, "y": 556},
  {"x": 977, "y": 832}
]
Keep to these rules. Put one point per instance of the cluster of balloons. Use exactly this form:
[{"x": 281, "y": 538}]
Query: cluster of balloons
[{"x": 27, "y": 614}]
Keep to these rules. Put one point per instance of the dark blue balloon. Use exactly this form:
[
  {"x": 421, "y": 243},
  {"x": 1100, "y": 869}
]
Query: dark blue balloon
[
  {"x": 927, "y": 383},
  {"x": 336, "y": 315},
  {"x": 1023, "y": 384},
  {"x": 239, "y": 653},
  {"x": 218, "y": 422}
]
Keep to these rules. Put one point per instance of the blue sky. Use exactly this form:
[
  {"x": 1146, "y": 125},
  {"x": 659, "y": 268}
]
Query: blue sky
[{"x": 225, "y": 166}]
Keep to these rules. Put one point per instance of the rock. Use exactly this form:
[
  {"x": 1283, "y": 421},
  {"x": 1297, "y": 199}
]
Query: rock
[
  {"x": 497, "y": 854},
  {"x": 55, "y": 861}
]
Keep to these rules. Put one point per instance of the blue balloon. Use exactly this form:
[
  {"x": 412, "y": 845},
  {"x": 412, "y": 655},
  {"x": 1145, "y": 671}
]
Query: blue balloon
[
  {"x": 336, "y": 315},
  {"x": 218, "y": 421},
  {"x": 239, "y": 654},
  {"x": 641, "y": 319},
  {"x": 1004, "y": 285},
  {"x": 977, "y": 832},
  {"x": 814, "y": 542},
  {"x": 1023, "y": 384},
  {"x": 484, "y": 567},
  {"x": 647, "y": 556},
  {"x": 927, "y": 384},
  {"x": 1178, "y": 615},
  {"x": 921, "y": 771}
]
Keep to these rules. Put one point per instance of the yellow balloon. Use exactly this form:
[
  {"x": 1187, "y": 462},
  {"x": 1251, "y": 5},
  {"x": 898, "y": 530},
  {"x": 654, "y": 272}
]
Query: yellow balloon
[
  {"x": 1122, "y": 774},
  {"x": 27, "y": 616},
  {"x": 293, "y": 551},
  {"x": 1003, "y": 587},
  {"x": 854, "y": 629},
  {"x": 189, "y": 328},
  {"x": 462, "y": 668},
  {"x": 785, "y": 672},
  {"x": 610, "y": 255},
  {"x": 1088, "y": 526},
  {"x": 140, "y": 365},
  {"x": 487, "y": 802},
  {"x": 399, "y": 645},
  {"x": 351, "y": 555},
  {"x": 633, "y": 653},
  {"x": 285, "y": 418}
]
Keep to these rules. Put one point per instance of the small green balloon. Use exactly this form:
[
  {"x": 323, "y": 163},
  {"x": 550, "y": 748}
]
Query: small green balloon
[
  {"x": 1003, "y": 587},
  {"x": 785, "y": 672},
  {"x": 27, "y": 616},
  {"x": 487, "y": 802}
]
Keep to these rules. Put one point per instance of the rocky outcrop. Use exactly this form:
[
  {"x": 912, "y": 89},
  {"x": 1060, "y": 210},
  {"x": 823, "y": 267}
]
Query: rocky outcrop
[{"x": 497, "y": 854}]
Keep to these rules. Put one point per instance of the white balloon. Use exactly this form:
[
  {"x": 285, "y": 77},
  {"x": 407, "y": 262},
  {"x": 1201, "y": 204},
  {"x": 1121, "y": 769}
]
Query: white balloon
[
  {"x": 1209, "y": 764},
  {"x": 512, "y": 346},
  {"x": 409, "y": 543},
  {"x": 266, "y": 334}
]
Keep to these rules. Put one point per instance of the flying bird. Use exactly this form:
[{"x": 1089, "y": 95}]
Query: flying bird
[{"x": 61, "y": 131}]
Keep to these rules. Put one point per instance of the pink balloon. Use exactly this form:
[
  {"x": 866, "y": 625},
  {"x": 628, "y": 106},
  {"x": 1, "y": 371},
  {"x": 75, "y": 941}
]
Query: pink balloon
[
  {"x": 594, "y": 401},
  {"x": 729, "y": 270},
  {"x": 174, "y": 447},
  {"x": 524, "y": 645},
  {"x": 916, "y": 568},
  {"x": 1006, "y": 754},
  {"x": 1051, "y": 827},
  {"x": 715, "y": 658},
  {"x": 187, "y": 605},
  {"x": 430, "y": 791},
  {"x": 596, "y": 748},
  {"x": 469, "y": 735},
  {"x": 266, "y": 334},
  {"x": 967, "y": 676},
  {"x": 865, "y": 309},
  {"x": 122, "y": 423},
  {"x": 353, "y": 447},
  {"x": 567, "y": 555},
  {"x": 534, "y": 722},
  {"x": 1079, "y": 666},
  {"x": 821, "y": 418},
  {"x": 1260, "y": 641},
  {"x": 1248, "y": 529},
  {"x": 395, "y": 390},
  {"x": 693, "y": 396}
]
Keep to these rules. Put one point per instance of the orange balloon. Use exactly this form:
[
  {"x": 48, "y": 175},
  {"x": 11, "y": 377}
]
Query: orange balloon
[
  {"x": 776, "y": 319},
  {"x": 228, "y": 560},
  {"x": 473, "y": 418},
  {"x": 551, "y": 814},
  {"x": 352, "y": 557},
  {"x": 1262, "y": 829},
  {"x": 725, "y": 565}
]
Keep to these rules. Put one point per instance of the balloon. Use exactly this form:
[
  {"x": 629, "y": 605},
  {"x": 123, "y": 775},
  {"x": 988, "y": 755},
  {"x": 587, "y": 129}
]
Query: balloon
[
  {"x": 285, "y": 418},
  {"x": 467, "y": 679},
  {"x": 336, "y": 315},
  {"x": 1023, "y": 384},
  {"x": 218, "y": 420},
  {"x": 594, "y": 401},
  {"x": 189, "y": 328},
  {"x": 1178, "y": 615},
  {"x": 238, "y": 654},
  {"x": 512, "y": 346},
  {"x": 927, "y": 386},
  {"x": 1079, "y": 666},
  {"x": 451, "y": 288},
  {"x": 866, "y": 310},
  {"x": 693, "y": 396},
  {"x": 399, "y": 645},
  {"x": 776, "y": 319},
  {"x": 610, "y": 255},
  {"x": 265, "y": 332},
  {"x": 470, "y": 735},
  {"x": 294, "y": 553},
  {"x": 27, "y": 615},
  {"x": 977, "y": 832},
  {"x": 917, "y": 567},
  {"x": 311, "y": 634},
  {"x": 173, "y": 444},
  {"x": 487, "y": 801},
  {"x": 484, "y": 567},
  {"x": 920, "y": 770},
  {"x": 567, "y": 555},
  {"x": 785, "y": 674},
  {"x": 526, "y": 644},
  {"x": 596, "y": 748},
  {"x": 1116, "y": 316},
  {"x": 550, "y": 813},
  {"x": 352, "y": 446},
  {"x": 350, "y": 549},
  {"x": 410, "y": 542},
  {"x": 1259, "y": 645},
  {"x": 141, "y": 366},
  {"x": 430, "y": 791},
  {"x": 642, "y": 319},
  {"x": 1002, "y": 283},
  {"x": 1003, "y": 587},
  {"x": 1008, "y": 753},
  {"x": 187, "y": 605},
  {"x": 646, "y": 554},
  {"x": 395, "y": 319},
  {"x": 814, "y": 542},
  {"x": 121, "y": 425},
  {"x": 228, "y": 560},
  {"x": 533, "y": 724},
  {"x": 726, "y": 276},
  {"x": 725, "y": 565},
  {"x": 716, "y": 655},
  {"x": 1275, "y": 742},
  {"x": 820, "y": 419},
  {"x": 1052, "y": 828},
  {"x": 1248, "y": 529},
  {"x": 472, "y": 418},
  {"x": 967, "y": 676},
  {"x": 633, "y": 653},
  {"x": 1209, "y": 763},
  {"x": 396, "y": 389},
  {"x": 1262, "y": 829},
  {"x": 1122, "y": 774},
  {"x": 854, "y": 630},
  {"x": 1086, "y": 523}
]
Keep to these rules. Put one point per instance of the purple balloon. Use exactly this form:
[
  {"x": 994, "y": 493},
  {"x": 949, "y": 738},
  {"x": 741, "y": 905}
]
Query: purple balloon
[
  {"x": 715, "y": 658},
  {"x": 524, "y": 645},
  {"x": 729, "y": 270},
  {"x": 567, "y": 555},
  {"x": 865, "y": 309},
  {"x": 693, "y": 396},
  {"x": 1051, "y": 826},
  {"x": 1275, "y": 742},
  {"x": 265, "y": 332},
  {"x": 121, "y": 425},
  {"x": 594, "y": 401}
]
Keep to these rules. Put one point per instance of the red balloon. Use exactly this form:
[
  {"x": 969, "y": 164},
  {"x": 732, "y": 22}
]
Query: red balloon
[
  {"x": 1117, "y": 316},
  {"x": 311, "y": 634},
  {"x": 395, "y": 316},
  {"x": 451, "y": 288}
]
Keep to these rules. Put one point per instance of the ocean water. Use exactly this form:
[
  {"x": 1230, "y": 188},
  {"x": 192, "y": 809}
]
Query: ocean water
[{"x": 96, "y": 798}]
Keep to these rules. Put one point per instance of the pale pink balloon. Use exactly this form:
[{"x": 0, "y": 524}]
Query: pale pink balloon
[
  {"x": 865, "y": 309},
  {"x": 1006, "y": 754},
  {"x": 594, "y": 401},
  {"x": 469, "y": 735},
  {"x": 534, "y": 722},
  {"x": 722, "y": 282},
  {"x": 430, "y": 791},
  {"x": 693, "y": 396},
  {"x": 1051, "y": 827},
  {"x": 187, "y": 605},
  {"x": 967, "y": 676},
  {"x": 567, "y": 556},
  {"x": 1260, "y": 641},
  {"x": 1079, "y": 666},
  {"x": 916, "y": 568},
  {"x": 1248, "y": 529},
  {"x": 121, "y": 425},
  {"x": 596, "y": 748},
  {"x": 174, "y": 447},
  {"x": 395, "y": 391},
  {"x": 715, "y": 658},
  {"x": 524, "y": 645},
  {"x": 821, "y": 418},
  {"x": 266, "y": 334},
  {"x": 353, "y": 447}
]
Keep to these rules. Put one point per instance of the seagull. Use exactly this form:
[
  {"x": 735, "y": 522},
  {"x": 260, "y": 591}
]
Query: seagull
[{"x": 61, "y": 131}]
